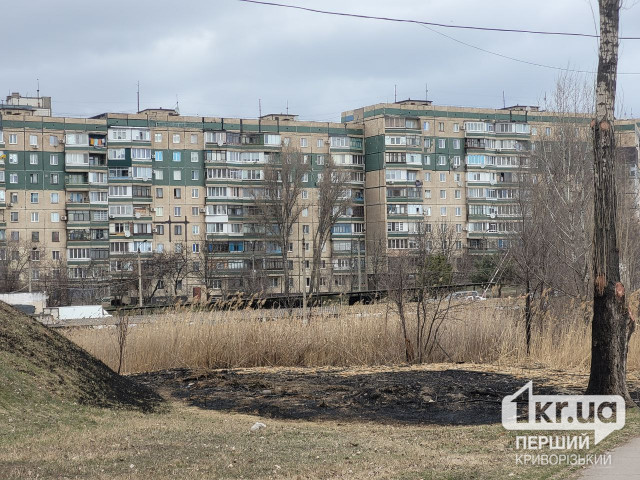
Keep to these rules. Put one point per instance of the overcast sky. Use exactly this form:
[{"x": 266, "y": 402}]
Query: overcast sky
[{"x": 218, "y": 57}]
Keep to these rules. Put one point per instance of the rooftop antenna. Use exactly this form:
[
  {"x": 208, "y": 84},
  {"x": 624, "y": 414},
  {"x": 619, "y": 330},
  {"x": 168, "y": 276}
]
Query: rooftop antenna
[
  {"x": 504, "y": 104},
  {"x": 138, "y": 96},
  {"x": 395, "y": 93},
  {"x": 38, "y": 80},
  {"x": 177, "y": 105},
  {"x": 259, "y": 108},
  {"x": 426, "y": 91},
  {"x": 287, "y": 107}
]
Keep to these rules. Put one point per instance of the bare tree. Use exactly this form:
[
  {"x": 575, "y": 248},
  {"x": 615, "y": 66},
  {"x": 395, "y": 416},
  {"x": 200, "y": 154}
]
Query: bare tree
[
  {"x": 417, "y": 275},
  {"x": 376, "y": 260},
  {"x": 612, "y": 320},
  {"x": 333, "y": 200},
  {"x": 15, "y": 261},
  {"x": 556, "y": 184},
  {"x": 122, "y": 332},
  {"x": 278, "y": 207}
]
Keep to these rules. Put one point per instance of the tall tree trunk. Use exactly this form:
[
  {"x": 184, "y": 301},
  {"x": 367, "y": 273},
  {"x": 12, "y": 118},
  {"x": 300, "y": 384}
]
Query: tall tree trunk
[
  {"x": 612, "y": 323},
  {"x": 527, "y": 314}
]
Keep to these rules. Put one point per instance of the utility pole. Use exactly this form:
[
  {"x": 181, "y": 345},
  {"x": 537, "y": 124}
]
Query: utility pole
[
  {"x": 29, "y": 272},
  {"x": 139, "y": 279},
  {"x": 33, "y": 249},
  {"x": 359, "y": 266},
  {"x": 138, "y": 96},
  {"x": 304, "y": 287}
]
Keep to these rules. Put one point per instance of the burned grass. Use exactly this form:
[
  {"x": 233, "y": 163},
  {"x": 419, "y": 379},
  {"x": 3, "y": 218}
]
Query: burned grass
[{"x": 440, "y": 394}]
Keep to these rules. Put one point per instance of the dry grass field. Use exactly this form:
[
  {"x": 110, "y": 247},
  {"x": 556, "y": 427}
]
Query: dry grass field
[
  {"x": 489, "y": 331},
  {"x": 333, "y": 402}
]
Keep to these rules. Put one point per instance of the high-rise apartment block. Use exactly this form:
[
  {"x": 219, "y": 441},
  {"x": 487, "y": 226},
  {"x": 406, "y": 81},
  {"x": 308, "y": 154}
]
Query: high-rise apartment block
[{"x": 85, "y": 195}]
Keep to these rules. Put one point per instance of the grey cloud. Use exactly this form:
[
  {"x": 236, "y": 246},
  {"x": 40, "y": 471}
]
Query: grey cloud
[{"x": 220, "y": 56}]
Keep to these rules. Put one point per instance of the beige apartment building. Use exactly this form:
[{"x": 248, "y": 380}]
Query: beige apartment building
[{"x": 87, "y": 197}]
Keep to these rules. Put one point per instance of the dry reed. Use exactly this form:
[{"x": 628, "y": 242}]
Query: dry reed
[{"x": 491, "y": 331}]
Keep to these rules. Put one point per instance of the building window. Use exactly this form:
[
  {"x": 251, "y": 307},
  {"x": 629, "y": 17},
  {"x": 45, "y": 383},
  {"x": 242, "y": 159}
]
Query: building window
[
  {"x": 194, "y": 138},
  {"x": 177, "y": 156},
  {"x": 33, "y": 140},
  {"x": 33, "y": 158},
  {"x": 195, "y": 175},
  {"x": 158, "y": 156},
  {"x": 303, "y": 142},
  {"x": 55, "y": 198},
  {"x": 53, "y": 159},
  {"x": 159, "y": 192},
  {"x": 158, "y": 174},
  {"x": 13, "y": 158},
  {"x": 456, "y": 127},
  {"x": 443, "y": 211},
  {"x": 458, "y": 212},
  {"x": 195, "y": 211},
  {"x": 159, "y": 211},
  {"x": 55, "y": 254},
  {"x": 320, "y": 143},
  {"x": 177, "y": 193},
  {"x": 177, "y": 211},
  {"x": 177, "y": 174},
  {"x": 195, "y": 193},
  {"x": 442, "y": 143},
  {"x": 443, "y": 177},
  {"x": 427, "y": 194},
  {"x": 14, "y": 216},
  {"x": 443, "y": 194},
  {"x": 177, "y": 229},
  {"x": 305, "y": 212},
  {"x": 55, "y": 179},
  {"x": 33, "y": 178},
  {"x": 441, "y": 126},
  {"x": 35, "y": 237},
  {"x": 176, "y": 138},
  {"x": 158, "y": 137},
  {"x": 194, "y": 157},
  {"x": 35, "y": 197},
  {"x": 13, "y": 178},
  {"x": 305, "y": 194},
  {"x": 35, "y": 217},
  {"x": 55, "y": 217}
]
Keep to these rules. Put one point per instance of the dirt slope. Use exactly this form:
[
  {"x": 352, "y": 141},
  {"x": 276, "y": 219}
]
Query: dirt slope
[{"x": 39, "y": 365}]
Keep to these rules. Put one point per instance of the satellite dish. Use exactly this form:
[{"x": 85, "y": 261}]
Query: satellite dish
[{"x": 127, "y": 234}]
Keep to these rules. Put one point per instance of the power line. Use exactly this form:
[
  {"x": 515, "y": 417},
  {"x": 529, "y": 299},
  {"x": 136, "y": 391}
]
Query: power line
[
  {"x": 433, "y": 24},
  {"x": 428, "y": 24},
  {"x": 527, "y": 62}
]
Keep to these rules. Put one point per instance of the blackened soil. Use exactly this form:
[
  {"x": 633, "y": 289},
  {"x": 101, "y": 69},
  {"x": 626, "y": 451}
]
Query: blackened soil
[{"x": 433, "y": 394}]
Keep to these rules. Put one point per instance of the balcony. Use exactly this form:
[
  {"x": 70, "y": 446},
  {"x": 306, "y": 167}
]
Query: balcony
[
  {"x": 97, "y": 140},
  {"x": 97, "y": 160},
  {"x": 77, "y": 199}
]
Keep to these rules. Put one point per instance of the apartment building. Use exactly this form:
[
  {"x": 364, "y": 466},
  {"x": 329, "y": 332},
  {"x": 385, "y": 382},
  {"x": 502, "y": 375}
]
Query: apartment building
[
  {"x": 454, "y": 171},
  {"x": 87, "y": 194},
  {"x": 91, "y": 195}
]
